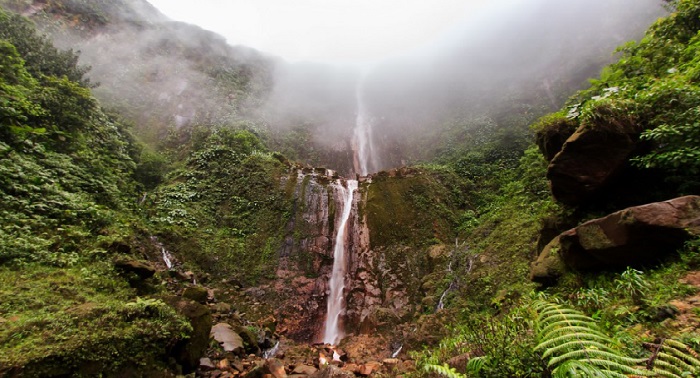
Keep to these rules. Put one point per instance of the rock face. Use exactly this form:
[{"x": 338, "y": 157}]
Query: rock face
[
  {"x": 189, "y": 352},
  {"x": 630, "y": 237},
  {"x": 551, "y": 139},
  {"x": 375, "y": 291},
  {"x": 590, "y": 158}
]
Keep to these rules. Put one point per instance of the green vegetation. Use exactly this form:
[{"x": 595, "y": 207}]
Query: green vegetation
[
  {"x": 651, "y": 92},
  {"x": 225, "y": 209}
]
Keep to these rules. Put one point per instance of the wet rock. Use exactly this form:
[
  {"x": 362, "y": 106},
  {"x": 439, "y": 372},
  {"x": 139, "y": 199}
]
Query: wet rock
[
  {"x": 142, "y": 269},
  {"x": 631, "y": 237},
  {"x": 391, "y": 361},
  {"x": 250, "y": 339},
  {"x": 304, "y": 369},
  {"x": 591, "y": 158},
  {"x": 272, "y": 367},
  {"x": 332, "y": 372},
  {"x": 188, "y": 352},
  {"x": 229, "y": 340},
  {"x": 551, "y": 137},
  {"x": 221, "y": 308},
  {"x": 178, "y": 275},
  {"x": 196, "y": 293},
  {"x": 369, "y": 368},
  {"x": 206, "y": 364}
]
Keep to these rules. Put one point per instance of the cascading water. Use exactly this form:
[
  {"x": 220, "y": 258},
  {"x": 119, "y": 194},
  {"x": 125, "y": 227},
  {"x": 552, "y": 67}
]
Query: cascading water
[
  {"x": 365, "y": 151},
  {"x": 165, "y": 254},
  {"x": 333, "y": 333}
]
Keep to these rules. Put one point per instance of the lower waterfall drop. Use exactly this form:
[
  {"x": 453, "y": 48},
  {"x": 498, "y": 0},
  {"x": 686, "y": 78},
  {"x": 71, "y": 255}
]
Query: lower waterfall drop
[{"x": 332, "y": 332}]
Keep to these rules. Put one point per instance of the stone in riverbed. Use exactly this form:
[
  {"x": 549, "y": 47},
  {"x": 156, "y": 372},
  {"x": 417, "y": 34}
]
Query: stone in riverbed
[
  {"x": 229, "y": 340},
  {"x": 205, "y": 364},
  {"x": 332, "y": 372},
  {"x": 304, "y": 369},
  {"x": 196, "y": 293}
]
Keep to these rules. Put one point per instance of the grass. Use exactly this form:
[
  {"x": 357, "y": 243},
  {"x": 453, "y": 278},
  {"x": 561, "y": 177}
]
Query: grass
[{"x": 62, "y": 320}]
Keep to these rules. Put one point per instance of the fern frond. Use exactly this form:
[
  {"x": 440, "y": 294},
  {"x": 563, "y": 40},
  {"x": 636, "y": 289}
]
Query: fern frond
[
  {"x": 575, "y": 344},
  {"x": 675, "y": 361},
  {"x": 608, "y": 359},
  {"x": 445, "y": 370},
  {"x": 564, "y": 338},
  {"x": 568, "y": 316},
  {"x": 679, "y": 345},
  {"x": 661, "y": 366},
  {"x": 573, "y": 331},
  {"x": 681, "y": 351},
  {"x": 567, "y": 323},
  {"x": 618, "y": 367},
  {"x": 575, "y": 368}
]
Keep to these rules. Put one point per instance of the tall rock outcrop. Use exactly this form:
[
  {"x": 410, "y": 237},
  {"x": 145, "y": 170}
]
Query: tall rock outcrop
[{"x": 591, "y": 158}]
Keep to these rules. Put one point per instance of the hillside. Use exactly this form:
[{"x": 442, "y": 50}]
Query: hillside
[{"x": 166, "y": 236}]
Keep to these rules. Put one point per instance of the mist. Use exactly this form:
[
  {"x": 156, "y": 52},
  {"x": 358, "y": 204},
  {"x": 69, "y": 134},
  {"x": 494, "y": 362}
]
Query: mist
[
  {"x": 498, "y": 67},
  {"x": 514, "y": 58}
]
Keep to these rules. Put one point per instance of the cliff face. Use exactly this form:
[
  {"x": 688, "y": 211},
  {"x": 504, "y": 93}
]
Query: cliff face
[{"x": 383, "y": 281}]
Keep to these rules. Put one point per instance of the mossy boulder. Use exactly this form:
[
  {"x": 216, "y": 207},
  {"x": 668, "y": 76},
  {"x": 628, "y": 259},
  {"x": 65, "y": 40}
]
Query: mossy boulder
[
  {"x": 549, "y": 265},
  {"x": 635, "y": 236},
  {"x": 198, "y": 294}
]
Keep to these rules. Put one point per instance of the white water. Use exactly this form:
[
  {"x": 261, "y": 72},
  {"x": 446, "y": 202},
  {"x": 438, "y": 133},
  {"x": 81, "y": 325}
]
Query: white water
[
  {"x": 165, "y": 254},
  {"x": 272, "y": 351},
  {"x": 333, "y": 334},
  {"x": 396, "y": 353},
  {"x": 365, "y": 151}
]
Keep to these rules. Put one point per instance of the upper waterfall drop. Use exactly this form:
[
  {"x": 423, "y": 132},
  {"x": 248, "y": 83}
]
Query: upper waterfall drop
[
  {"x": 336, "y": 301},
  {"x": 365, "y": 159}
]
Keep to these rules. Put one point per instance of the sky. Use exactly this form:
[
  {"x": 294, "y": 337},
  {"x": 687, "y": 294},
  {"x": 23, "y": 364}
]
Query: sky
[{"x": 327, "y": 31}]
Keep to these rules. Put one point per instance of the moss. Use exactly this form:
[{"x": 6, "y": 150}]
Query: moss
[
  {"x": 63, "y": 321},
  {"x": 552, "y": 131},
  {"x": 415, "y": 207}
]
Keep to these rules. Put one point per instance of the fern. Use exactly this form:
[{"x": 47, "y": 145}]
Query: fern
[
  {"x": 444, "y": 370},
  {"x": 576, "y": 347},
  {"x": 673, "y": 359},
  {"x": 476, "y": 364}
]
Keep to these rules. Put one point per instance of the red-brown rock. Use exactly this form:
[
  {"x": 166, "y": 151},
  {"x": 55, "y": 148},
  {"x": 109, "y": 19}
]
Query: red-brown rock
[
  {"x": 631, "y": 237},
  {"x": 590, "y": 158}
]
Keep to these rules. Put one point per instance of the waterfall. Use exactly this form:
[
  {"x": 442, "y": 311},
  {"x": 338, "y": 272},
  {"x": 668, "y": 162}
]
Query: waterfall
[
  {"x": 165, "y": 254},
  {"x": 365, "y": 151},
  {"x": 333, "y": 333},
  {"x": 270, "y": 353}
]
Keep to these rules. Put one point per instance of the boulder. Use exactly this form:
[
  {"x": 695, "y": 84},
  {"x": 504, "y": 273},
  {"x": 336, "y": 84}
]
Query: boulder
[
  {"x": 304, "y": 369},
  {"x": 331, "y": 371},
  {"x": 631, "y": 237},
  {"x": 550, "y": 138},
  {"x": 229, "y": 340},
  {"x": 206, "y": 364},
  {"x": 196, "y": 293},
  {"x": 271, "y": 368},
  {"x": 143, "y": 269},
  {"x": 549, "y": 266},
  {"x": 188, "y": 352},
  {"x": 590, "y": 159},
  {"x": 250, "y": 339}
]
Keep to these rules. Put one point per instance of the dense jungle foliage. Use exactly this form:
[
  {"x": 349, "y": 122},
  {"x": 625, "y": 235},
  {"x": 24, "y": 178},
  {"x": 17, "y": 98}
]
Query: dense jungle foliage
[
  {"x": 626, "y": 314},
  {"x": 79, "y": 192}
]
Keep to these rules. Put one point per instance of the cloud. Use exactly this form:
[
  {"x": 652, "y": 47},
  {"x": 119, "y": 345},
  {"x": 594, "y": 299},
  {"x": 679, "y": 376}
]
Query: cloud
[{"x": 338, "y": 31}]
